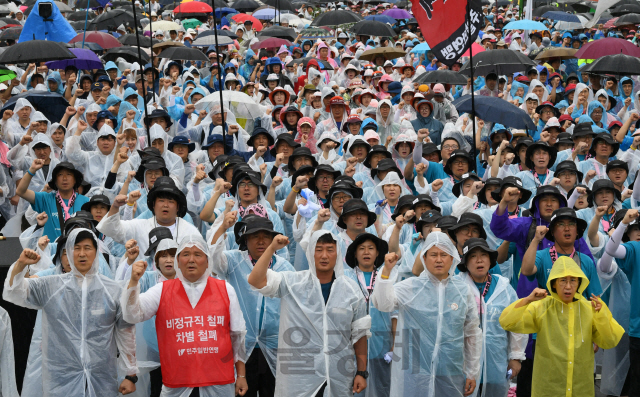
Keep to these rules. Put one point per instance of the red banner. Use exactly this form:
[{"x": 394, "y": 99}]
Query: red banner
[{"x": 448, "y": 26}]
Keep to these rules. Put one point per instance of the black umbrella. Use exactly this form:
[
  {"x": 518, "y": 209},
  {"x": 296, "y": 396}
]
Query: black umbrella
[
  {"x": 539, "y": 12},
  {"x": 441, "y": 76},
  {"x": 129, "y": 54},
  {"x": 184, "y": 54},
  {"x": 79, "y": 4},
  {"x": 619, "y": 64},
  {"x": 201, "y": 16},
  {"x": 278, "y": 4},
  {"x": 628, "y": 19},
  {"x": 304, "y": 61},
  {"x": 498, "y": 61},
  {"x": 11, "y": 33},
  {"x": 110, "y": 20},
  {"x": 35, "y": 51},
  {"x": 51, "y": 104},
  {"x": 335, "y": 18},
  {"x": 245, "y": 5},
  {"x": 221, "y": 32},
  {"x": 495, "y": 110},
  {"x": 624, "y": 9},
  {"x": 130, "y": 39},
  {"x": 502, "y": 3},
  {"x": 402, "y": 4},
  {"x": 279, "y": 32},
  {"x": 80, "y": 16},
  {"x": 120, "y": 3},
  {"x": 373, "y": 28},
  {"x": 10, "y": 21},
  {"x": 78, "y": 26},
  {"x": 87, "y": 44}
]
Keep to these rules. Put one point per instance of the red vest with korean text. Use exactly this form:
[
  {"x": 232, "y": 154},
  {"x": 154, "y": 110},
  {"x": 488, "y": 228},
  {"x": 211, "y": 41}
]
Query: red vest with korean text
[{"x": 195, "y": 343}]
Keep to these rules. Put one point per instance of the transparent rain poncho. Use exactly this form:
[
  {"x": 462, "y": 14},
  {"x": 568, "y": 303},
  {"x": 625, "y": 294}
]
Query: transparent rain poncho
[
  {"x": 174, "y": 163},
  {"x": 134, "y": 311},
  {"x": 315, "y": 344},
  {"x": 84, "y": 336},
  {"x": 438, "y": 345},
  {"x": 235, "y": 266},
  {"x": 498, "y": 345},
  {"x": 7, "y": 361}
]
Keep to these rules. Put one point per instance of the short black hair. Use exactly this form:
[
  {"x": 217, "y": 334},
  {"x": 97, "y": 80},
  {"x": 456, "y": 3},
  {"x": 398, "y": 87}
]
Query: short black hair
[
  {"x": 327, "y": 238},
  {"x": 166, "y": 196},
  {"x": 84, "y": 235}
]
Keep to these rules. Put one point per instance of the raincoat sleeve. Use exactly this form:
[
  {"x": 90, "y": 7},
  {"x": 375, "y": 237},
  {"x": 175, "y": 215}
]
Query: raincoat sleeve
[
  {"x": 472, "y": 339},
  {"x": 221, "y": 265},
  {"x": 463, "y": 204},
  {"x": 16, "y": 155},
  {"x": 524, "y": 319},
  {"x": 75, "y": 154},
  {"x": 137, "y": 307},
  {"x": 273, "y": 289},
  {"x": 8, "y": 386},
  {"x": 118, "y": 230},
  {"x": 384, "y": 296},
  {"x": 31, "y": 293},
  {"x": 125, "y": 335},
  {"x": 606, "y": 330},
  {"x": 238, "y": 326}
]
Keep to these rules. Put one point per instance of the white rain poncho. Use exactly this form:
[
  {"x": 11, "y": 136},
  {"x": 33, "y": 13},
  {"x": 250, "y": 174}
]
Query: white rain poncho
[
  {"x": 7, "y": 361},
  {"x": 84, "y": 336},
  {"x": 388, "y": 128},
  {"x": 174, "y": 163},
  {"x": 11, "y": 130},
  {"x": 142, "y": 307},
  {"x": 498, "y": 345},
  {"x": 536, "y": 83},
  {"x": 576, "y": 96},
  {"x": 262, "y": 314},
  {"x": 315, "y": 344},
  {"x": 442, "y": 338}
]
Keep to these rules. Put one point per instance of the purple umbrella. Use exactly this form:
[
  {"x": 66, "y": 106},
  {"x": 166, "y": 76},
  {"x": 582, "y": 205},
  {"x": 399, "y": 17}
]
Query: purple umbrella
[
  {"x": 85, "y": 59},
  {"x": 398, "y": 13}
]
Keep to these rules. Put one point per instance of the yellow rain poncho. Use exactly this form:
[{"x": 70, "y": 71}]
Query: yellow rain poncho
[{"x": 563, "y": 364}]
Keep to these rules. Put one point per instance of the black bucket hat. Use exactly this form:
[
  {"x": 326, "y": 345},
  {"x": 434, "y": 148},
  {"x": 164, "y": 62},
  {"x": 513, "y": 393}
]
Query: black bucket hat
[
  {"x": 617, "y": 218},
  {"x": 81, "y": 219},
  {"x": 301, "y": 152},
  {"x": 431, "y": 216},
  {"x": 424, "y": 199},
  {"x": 589, "y": 196},
  {"x": 156, "y": 235},
  {"x": 446, "y": 222},
  {"x": 617, "y": 164},
  {"x": 570, "y": 166},
  {"x": 347, "y": 186},
  {"x": 65, "y": 165},
  {"x": 582, "y": 129},
  {"x": 240, "y": 174},
  {"x": 564, "y": 138},
  {"x": 149, "y": 151},
  {"x": 470, "y": 245},
  {"x": 466, "y": 220},
  {"x": 386, "y": 165},
  {"x": 257, "y": 131},
  {"x": 165, "y": 185},
  {"x": 158, "y": 113},
  {"x": 220, "y": 166},
  {"x": 546, "y": 190},
  {"x": 457, "y": 188},
  {"x": 95, "y": 200},
  {"x": 347, "y": 144},
  {"x": 216, "y": 164},
  {"x": 151, "y": 163},
  {"x": 482, "y": 194},
  {"x": 376, "y": 149},
  {"x": 565, "y": 213},
  {"x": 403, "y": 202},
  {"x": 381, "y": 245},
  {"x": 305, "y": 169},
  {"x": 553, "y": 153},
  {"x": 355, "y": 205},
  {"x": 251, "y": 224},
  {"x": 430, "y": 147},
  {"x": 607, "y": 138},
  {"x": 326, "y": 168},
  {"x": 62, "y": 244},
  {"x": 460, "y": 153},
  {"x": 512, "y": 181},
  {"x": 286, "y": 138},
  {"x": 526, "y": 142},
  {"x": 604, "y": 184}
]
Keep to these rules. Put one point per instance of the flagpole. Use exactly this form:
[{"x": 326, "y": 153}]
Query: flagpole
[
  {"x": 220, "y": 84},
  {"x": 144, "y": 89},
  {"x": 86, "y": 19},
  {"x": 473, "y": 107}
]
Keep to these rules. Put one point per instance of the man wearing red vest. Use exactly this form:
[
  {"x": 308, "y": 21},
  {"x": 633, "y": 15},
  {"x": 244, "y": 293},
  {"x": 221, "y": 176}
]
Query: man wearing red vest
[{"x": 199, "y": 324}]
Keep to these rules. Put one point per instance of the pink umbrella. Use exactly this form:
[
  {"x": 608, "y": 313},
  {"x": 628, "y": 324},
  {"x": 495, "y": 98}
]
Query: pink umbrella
[
  {"x": 477, "y": 48},
  {"x": 609, "y": 46},
  {"x": 270, "y": 42}
]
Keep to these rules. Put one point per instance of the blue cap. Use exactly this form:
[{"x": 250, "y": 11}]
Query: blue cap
[
  {"x": 182, "y": 140},
  {"x": 211, "y": 139}
]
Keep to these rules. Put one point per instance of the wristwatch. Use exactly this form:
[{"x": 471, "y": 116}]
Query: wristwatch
[
  {"x": 132, "y": 378},
  {"x": 364, "y": 374}
]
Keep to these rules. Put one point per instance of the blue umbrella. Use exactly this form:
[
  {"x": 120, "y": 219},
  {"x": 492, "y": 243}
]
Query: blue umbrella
[
  {"x": 224, "y": 10},
  {"x": 421, "y": 48},
  {"x": 496, "y": 110},
  {"x": 51, "y": 104},
  {"x": 525, "y": 24},
  {"x": 381, "y": 18},
  {"x": 265, "y": 13}
]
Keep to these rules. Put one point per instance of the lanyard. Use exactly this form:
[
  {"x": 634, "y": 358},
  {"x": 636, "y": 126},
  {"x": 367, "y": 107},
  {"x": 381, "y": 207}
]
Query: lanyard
[
  {"x": 597, "y": 165},
  {"x": 554, "y": 253},
  {"x": 535, "y": 177},
  {"x": 606, "y": 225},
  {"x": 368, "y": 289},
  {"x": 515, "y": 213},
  {"x": 485, "y": 291},
  {"x": 476, "y": 205},
  {"x": 66, "y": 208}
]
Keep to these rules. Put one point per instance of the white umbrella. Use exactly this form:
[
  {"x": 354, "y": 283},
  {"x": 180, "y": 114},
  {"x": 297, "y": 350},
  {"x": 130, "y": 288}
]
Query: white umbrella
[
  {"x": 239, "y": 103},
  {"x": 163, "y": 25},
  {"x": 211, "y": 40},
  {"x": 563, "y": 25}
]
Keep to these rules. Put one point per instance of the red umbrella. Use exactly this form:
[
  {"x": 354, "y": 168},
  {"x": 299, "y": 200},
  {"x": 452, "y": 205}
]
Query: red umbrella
[
  {"x": 610, "y": 23},
  {"x": 477, "y": 48},
  {"x": 240, "y": 18},
  {"x": 193, "y": 7},
  {"x": 104, "y": 40},
  {"x": 608, "y": 46},
  {"x": 270, "y": 42}
]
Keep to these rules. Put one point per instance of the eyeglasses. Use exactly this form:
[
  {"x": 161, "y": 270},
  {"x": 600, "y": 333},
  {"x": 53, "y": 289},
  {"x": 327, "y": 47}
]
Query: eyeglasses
[
  {"x": 325, "y": 177},
  {"x": 547, "y": 112},
  {"x": 450, "y": 147},
  {"x": 562, "y": 282},
  {"x": 597, "y": 111},
  {"x": 342, "y": 198},
  {"x": 243, "y": 185},
  {"x": 567, "y": 224}
]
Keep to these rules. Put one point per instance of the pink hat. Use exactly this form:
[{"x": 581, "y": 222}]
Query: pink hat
[
  {"x": 371, "y": 134},
  {"x": 438, "y": 89}
]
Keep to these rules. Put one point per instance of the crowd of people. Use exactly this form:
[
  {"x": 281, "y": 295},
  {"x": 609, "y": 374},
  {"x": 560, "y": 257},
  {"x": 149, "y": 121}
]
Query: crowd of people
[{"x": 329, "y": 224}]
